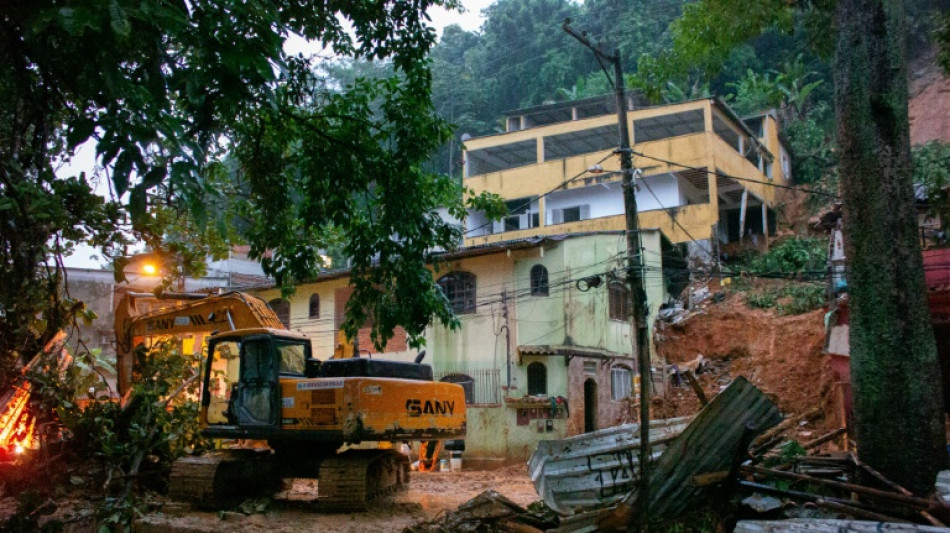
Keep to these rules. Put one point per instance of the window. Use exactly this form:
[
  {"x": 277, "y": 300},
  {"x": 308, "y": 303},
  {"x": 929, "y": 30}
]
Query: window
[
  {"x": 617, "y": 300},
  {"x": 621, "y": 382},
  {"x": 281, "y": 308},
  {"x": 459, "y": 288},
  {"x": 292, "y": 357},
  {"x": 539, "y": 280},
  {"x": 570, "y": 214},
  {"x": 537, "y": 379},
  {"x": 590, "y": 367},
  {"x": 522, "y": 214},
  {"x": 467, "y": 383},
  {"x": 314, "y": 305}
]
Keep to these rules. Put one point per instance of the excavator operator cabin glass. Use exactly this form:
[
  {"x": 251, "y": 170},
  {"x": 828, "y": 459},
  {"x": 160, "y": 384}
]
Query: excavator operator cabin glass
[
  {"x": 292, "y": 357},
  {"x": 225, "y": 366},
  {"x": 258, "y": 383}
]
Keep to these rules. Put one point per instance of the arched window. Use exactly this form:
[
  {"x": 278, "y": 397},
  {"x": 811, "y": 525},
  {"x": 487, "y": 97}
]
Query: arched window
[
  {"x": 617, "y": 300},
  {"x": 621, "y": 382},
  {"x": 539, "y": 280},
  {"x": 467, "y": 383},
  {"x": 459, "y": 288},
  {"x": 537, "y": 379},
  {"x": 314, "y": 305},
  {"x": 281, "y": 308}
]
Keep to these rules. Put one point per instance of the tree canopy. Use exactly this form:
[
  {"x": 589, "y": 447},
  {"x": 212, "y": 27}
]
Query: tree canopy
[{"x": 196, "y": 107}]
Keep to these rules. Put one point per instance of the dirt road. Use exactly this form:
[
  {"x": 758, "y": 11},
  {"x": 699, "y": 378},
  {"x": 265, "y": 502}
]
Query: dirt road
[{"x": 429, "y": 494}]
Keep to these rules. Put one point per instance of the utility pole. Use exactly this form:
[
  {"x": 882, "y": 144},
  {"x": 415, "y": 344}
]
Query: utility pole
[
  {"x": 636, "y": 296},
  {"x": 504, "y": 314}
]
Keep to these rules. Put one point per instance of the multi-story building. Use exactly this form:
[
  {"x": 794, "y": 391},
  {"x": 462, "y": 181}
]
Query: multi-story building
[
  {"x": 542, "y": 318},
  {"x": 705, "y": 171}
]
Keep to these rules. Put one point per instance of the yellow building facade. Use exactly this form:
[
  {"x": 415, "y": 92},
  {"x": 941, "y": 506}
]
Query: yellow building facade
[{"x": 704, "y": 172}]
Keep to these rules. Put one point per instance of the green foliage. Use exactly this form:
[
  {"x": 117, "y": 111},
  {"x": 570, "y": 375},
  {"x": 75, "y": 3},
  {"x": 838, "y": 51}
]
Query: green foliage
[
  {"x": 942, "y": 36},
  {"x": 136, "y": 443},
  {"x": 798, "y": 298},
  {"x": 811, "y": 141},
  {"x": 792, "y": 255},
  {"x": 760, "y": 299},
  {"x": 200, "y": 118},
  {"x": 932, "y": 174}
]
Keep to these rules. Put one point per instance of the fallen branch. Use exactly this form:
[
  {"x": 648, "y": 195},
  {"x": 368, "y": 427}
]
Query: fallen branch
[
  {"x": 700, "y": 393},
  {"x": 891, "y": 497},
  {"x": 880, "y": 477},
  {"x": 824, "y": 438}
]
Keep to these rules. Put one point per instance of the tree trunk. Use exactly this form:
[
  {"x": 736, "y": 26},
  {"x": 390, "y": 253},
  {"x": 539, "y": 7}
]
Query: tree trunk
[{"x": 899, "y": 419}]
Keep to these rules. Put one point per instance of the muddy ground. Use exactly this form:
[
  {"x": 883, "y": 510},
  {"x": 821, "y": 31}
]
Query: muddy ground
[{"x": 429, "y": 494}]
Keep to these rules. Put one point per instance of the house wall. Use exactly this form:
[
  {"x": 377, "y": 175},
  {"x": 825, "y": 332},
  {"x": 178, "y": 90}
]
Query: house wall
[
  {"x": 684, "y": 223},
  {"x": 567, "y": 316}
]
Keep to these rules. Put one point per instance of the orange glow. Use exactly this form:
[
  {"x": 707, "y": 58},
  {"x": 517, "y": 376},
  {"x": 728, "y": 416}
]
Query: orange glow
[{"x": 149, "y": 269}]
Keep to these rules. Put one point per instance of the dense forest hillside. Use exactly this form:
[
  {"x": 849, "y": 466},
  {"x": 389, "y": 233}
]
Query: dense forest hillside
[{"x": 521, "y": 57}]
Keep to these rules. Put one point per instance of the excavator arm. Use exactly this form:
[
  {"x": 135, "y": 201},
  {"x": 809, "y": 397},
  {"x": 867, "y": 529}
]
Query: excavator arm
[{"x": 140, "y": 316}]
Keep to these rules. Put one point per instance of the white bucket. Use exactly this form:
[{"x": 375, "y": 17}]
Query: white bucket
[{"x": 456, "y": 462}]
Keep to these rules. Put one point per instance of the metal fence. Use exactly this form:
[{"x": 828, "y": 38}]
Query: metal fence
[{"x": 482, "y": 385}]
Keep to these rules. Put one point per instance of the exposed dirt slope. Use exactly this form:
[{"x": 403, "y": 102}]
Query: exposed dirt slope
[{"x": 782, "y": 355}]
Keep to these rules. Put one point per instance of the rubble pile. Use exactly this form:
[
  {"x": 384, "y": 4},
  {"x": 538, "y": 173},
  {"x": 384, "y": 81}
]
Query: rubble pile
[
  {"x": 489, "y": 511},
  {"x": 781, "y": 355}
]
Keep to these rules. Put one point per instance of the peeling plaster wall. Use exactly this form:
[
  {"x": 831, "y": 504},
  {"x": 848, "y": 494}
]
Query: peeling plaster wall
[{"x": 566, "y": 316}]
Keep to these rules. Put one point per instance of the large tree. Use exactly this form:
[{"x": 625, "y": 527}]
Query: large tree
[
  {"x": 195, "y": 104},
  {"x": 896, "y": 379}
]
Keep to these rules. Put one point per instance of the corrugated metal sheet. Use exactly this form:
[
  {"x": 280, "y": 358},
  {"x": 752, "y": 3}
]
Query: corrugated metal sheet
[
  {"x": 595, "y": 469},
  {"x": 707, "y": 445},
  {"x": 815, "y": 525}
]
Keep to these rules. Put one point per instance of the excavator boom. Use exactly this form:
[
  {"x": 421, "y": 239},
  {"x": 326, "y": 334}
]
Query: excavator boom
[{"x": 140, "y": 316}]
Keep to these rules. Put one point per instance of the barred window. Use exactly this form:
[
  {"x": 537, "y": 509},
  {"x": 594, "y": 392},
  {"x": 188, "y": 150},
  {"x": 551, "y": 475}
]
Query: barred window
[
  {"x": 459, "y": 288},
  {"x": 281, "y": 308},
  {"x": 537, "y": 379},
  {"x": 539, "y": 280},
  {"x": 482, "y": 385},
  {"x": 621, "y": 382},
  {"x": 617, "y": 300},
  {"x": 465, "y": 381},
  {"x": 314, "y": 305}
]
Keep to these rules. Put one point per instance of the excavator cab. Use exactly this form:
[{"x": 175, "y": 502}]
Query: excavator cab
[{"x": 241, "y": 385}]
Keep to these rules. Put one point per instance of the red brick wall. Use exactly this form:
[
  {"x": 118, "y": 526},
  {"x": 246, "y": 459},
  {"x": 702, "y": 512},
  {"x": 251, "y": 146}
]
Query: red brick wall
[
  {"x": 398, "y": 343},
  {"x": 608, "y": 411}
]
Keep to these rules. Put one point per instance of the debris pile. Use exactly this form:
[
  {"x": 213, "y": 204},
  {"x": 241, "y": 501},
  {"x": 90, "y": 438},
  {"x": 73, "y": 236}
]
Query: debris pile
[
  {"x": 489, "y": 511},
  {"x": 781, "y": 355}
]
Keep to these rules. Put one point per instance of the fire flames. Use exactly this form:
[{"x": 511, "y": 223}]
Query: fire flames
[{"x": 17, "y": 425}]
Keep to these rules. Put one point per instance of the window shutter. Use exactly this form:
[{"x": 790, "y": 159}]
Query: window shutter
[
  {"x": 585, "y": 212},
  {"x": 557, "y": 216}
]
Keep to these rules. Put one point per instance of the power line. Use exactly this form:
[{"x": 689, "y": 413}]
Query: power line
[
  {"x": 724, "y": 175},
  {"x": 555, "y": 189}
]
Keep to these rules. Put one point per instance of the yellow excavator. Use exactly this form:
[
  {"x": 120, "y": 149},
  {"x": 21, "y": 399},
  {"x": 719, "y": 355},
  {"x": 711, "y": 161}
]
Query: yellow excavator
[{"x": 260, "y": 382}]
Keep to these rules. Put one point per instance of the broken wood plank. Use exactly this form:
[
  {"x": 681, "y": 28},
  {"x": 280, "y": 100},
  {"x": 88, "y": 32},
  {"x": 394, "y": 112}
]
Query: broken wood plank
[
  {"x": 857, "y": 512},
  {"x": 891, "y": 497},
  {"x": 700, "y": 393},
  {"x": 883, "y": 479},
  {"x": 787, "y": 424},
  {"x": 712, "y": 478},
  {"x": 828, "y": 437}
]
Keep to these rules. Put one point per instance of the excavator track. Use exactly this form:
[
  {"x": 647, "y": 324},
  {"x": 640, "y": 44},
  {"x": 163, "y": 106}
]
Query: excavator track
[
  {"x": 223, "y": 478},
  {"x": 350, "y": 480}
]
